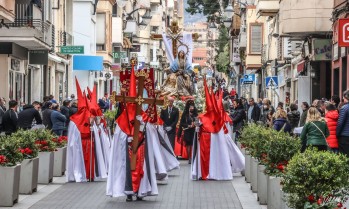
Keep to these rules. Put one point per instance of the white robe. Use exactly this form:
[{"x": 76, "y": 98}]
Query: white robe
[
  {"x": 225, "y": 158},
  {"x": 75, "y": 157},
  {"x": 170, "y": 159},
  {"x": 117, "y": 168},
  {"x": 101, "y": 172}
]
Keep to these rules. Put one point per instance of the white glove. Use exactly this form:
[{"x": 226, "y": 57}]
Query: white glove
[
  {"x": 197, "y": 129},
  {"x": 140, "y": 119},
  {"x": 129, "y": 139},
  {"x": 168, "y": 128}
]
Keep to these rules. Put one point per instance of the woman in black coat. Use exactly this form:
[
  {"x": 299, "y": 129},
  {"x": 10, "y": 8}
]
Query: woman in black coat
[
  {"x": 238, "y": 117},
  {"x": 187, "y": 125}
]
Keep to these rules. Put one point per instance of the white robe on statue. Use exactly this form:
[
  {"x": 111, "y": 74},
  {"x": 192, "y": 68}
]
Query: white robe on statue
[
  {"x": 75, "y": 159},
  {"x": 117, "y": 167},
  {"x": 167, "y": 152}
]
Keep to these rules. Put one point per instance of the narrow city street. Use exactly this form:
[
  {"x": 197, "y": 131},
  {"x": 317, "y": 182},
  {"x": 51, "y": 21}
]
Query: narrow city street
[{"x": 180, "y": 192}]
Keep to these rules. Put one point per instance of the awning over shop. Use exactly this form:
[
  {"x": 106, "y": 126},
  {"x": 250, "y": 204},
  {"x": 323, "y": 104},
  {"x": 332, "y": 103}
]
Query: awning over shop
[
  {"x": 126, "y": 44},
  {"x": 300, "y": 66}
]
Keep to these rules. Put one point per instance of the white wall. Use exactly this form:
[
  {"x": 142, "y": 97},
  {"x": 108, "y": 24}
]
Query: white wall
[{"x": 84, "y": 32}]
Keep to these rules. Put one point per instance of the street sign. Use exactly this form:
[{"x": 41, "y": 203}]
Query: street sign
[
  {"x": 343, "y": 32},
  {"x": 249, "y": 79},
  {"x": 72, "y": 50},
  {"x": 119, "y": 55},
  {"x": 107, "y": 75},
  {"x": 271, "y": 82}
]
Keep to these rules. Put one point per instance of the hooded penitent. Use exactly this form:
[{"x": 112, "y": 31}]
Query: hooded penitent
[
  {"x": 211, "y": 120},
  {"x": 81, "y": 120},
  {"x": 127, "y": 117}
]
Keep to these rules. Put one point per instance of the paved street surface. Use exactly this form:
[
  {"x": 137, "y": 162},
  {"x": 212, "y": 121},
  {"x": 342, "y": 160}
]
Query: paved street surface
[{"x": 180, "y": 192}]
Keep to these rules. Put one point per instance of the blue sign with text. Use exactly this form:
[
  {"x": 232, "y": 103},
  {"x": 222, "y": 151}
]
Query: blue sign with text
[{"x": 249, "y": 79}]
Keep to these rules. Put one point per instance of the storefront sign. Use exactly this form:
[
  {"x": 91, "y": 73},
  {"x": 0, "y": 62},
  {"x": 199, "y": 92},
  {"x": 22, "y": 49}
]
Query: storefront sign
[
  {"x": 343, "y": 32},
  {"x": 72, "y": 50},
  {"x": 38, "y": 57},
  {"x": 322, "y": 49},
  {"x": 291, "y": 47},
  {"x": 343, "y": 52}
]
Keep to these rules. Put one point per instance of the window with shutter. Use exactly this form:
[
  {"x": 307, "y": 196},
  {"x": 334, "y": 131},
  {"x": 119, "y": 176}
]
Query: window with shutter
[{"x": 256, "y": 39}]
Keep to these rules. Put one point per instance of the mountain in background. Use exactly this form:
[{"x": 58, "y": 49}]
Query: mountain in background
[{"x": 188, "y": 18}]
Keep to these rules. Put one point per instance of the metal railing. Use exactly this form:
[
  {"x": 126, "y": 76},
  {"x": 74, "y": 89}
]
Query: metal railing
[{"x": 29, "y": 15}]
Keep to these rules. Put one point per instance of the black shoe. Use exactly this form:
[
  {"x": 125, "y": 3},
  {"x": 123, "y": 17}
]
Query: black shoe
[
  {"x": 139, "y": 198},
  {"x": 129, "y": 198},
  {"x": 189, "y": 162}
]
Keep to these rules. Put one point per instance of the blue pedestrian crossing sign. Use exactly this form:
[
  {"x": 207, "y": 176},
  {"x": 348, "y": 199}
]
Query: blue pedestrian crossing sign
[{"x": 271, "y": 82}]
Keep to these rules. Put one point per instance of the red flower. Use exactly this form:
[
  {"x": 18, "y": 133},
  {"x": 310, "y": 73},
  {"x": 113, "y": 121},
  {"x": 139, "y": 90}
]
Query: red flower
[
  {"x": 280, "y": 167},
  {"x": 311, "y": 198},
  {"x": 3, "y": 159},
  {"x": 28, "y": 151},
  {"x": 22, "y": 151},
  {"x": 339, "y": 205}
]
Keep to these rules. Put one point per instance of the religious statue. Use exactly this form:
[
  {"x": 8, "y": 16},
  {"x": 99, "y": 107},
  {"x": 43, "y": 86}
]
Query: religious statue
[{"x": 178, "y": 82}]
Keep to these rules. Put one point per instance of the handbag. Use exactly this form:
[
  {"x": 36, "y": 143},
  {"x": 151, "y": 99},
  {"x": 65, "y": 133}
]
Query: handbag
[{"x": 321, "y": 133}]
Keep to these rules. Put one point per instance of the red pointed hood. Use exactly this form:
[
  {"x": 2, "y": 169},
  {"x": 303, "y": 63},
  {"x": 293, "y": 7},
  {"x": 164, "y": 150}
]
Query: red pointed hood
[
  {"x": 94, "y": 108},
  {"x": 211, "y": 120},
  {"x": 127, "y": 117},
  {"x": 224, "y": 114},
  {"x": 81, "y": 118}
]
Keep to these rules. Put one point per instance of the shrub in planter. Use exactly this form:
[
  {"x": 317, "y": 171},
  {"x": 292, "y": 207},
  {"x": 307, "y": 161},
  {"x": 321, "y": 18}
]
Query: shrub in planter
[
  {"x": 44, "y": 140},
  {"x": 27, "y": 144},
  {"x": 250, "y": 133},
  {"x": 10, "y": 154},
  {"x": 60, "y": 141},
  {"x": 282, "y": 147},
  {"x": 317, "y": 180}
]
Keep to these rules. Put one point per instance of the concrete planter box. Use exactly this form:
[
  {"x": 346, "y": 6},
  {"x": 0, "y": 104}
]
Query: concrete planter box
[
  {"x": 46, "y": 160},
  {"x": 274, "y": 194},
  {"x": 60, "y": 157},
  {"x": 29, "y": 176},
  {"x": 254, "y": 174},
  {"x": 248, "y": 160},
  {"x": 262, "y": 182},
  {"x": 243, "y": 151},
  {"x": 283, "y": 200},
  {"x": 9, "y": 185}
]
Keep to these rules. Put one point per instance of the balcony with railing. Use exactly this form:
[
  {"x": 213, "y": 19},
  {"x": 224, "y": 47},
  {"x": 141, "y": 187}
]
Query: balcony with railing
[
  {"x": 28, "y": 28},
  {"x": 302, "y": 18},
  {"x": 7, "y": 10},
  {"x": 267, "y": 7}
]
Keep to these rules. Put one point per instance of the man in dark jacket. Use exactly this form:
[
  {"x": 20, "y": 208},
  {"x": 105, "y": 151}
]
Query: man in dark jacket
[
  {"x": 29, "y": 113},
  {"x": 253, "y": 111},
  {"x": 58, "y": 120},
  {"x": 238, "y": 116},
  {"x": 66, "y": 112},
  {"x": 46, "y": 115},
  {"x": 73, "y": 108},
  {"x": 10, "y": 118},
  {"x": 170, "y": 116},
  {"x": 342, "y": 130},
  {"x": 293, "y": 116}
]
